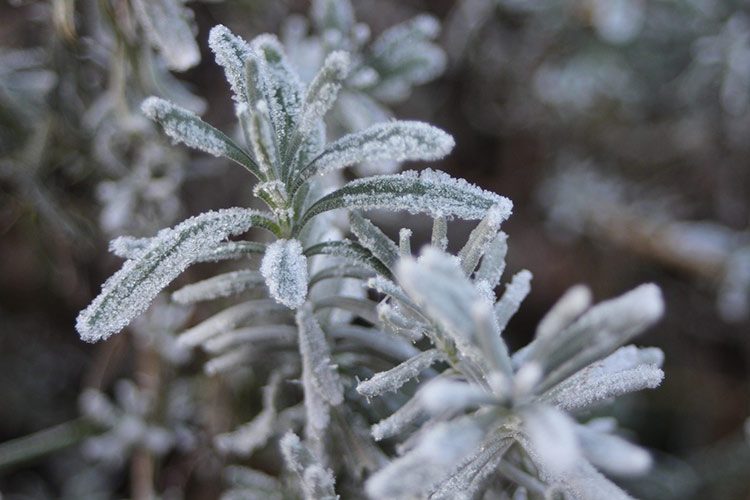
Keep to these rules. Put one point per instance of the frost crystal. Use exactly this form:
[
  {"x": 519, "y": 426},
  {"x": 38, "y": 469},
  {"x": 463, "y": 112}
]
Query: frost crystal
[
  {"x": 223, "y": 285},
  {"x": 398, "y": 376},
  {"x": 168, "y": 25},
  {"x": 129, "y": 291},
  {"x": 284, "y": 268}
]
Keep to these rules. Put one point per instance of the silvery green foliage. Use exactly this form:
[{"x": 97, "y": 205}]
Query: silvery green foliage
[
  {"x": 383, "y": 70},
  {"x": 497, "y": 415},
  {"x": 169, "y": 26},
  {"x": 317, "y": 482},
  {"x": 282, "y": 152}
]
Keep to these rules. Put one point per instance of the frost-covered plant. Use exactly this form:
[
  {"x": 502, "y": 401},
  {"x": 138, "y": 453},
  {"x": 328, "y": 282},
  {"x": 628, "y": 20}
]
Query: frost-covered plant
[
  {"x": 302, "y": 313},
  {"x": 490, "y": 414}
]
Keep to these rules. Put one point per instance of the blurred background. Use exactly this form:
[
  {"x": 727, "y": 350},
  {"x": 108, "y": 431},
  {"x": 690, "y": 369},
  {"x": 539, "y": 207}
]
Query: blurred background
[{"x": 619, "y": 128}]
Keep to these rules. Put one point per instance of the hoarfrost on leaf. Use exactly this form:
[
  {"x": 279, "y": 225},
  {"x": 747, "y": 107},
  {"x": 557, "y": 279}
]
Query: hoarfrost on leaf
[
  {"x": 130, "y": 290},
  {"x": 284, "y": 267}
]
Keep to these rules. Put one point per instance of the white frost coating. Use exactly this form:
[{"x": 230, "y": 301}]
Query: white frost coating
[
  {"x": 627, "y": 370},
  {"x": 131, "y": 289},
  {"x": 262, "y": 138},
  {"x": 440, "y": 395},
  {"x": 515, "y": 293},
  {"x": 317, "y": 481},
  {"x": 323, "y": 90},
  {"x": 394, "y": 378},
  {"x": 284, "y": 268},
  {"x": 278, "y": 85},
  {"x": 404, "y": 242},
  {"x": 223, "y": 285},
  {"x": 552, "y": 434},
  {"x": 230, "y": 318},
  {"x": 493, "y": 262},
  {"x": 167, "y": 24},
  {"x": 186, "y": 127},
  {"x": 481, "y": 238},
  {"x": 566, "y": 310},
  {"x": 231, "y": 53},
  {"x": 598, "y": 332},
  {"x": 371, "y": 237},
  {"x": 316, "y": 356},
  {"x": 415, "y": 473},
  {"x": 128, "y": 247},
  {"x": 429, "y": 191},
  {"x": 439, "y": 238},
  {"x": 396, "y": 140},
  {"x": 398, "y": 420},
  {"x": 283, "y": 334}
]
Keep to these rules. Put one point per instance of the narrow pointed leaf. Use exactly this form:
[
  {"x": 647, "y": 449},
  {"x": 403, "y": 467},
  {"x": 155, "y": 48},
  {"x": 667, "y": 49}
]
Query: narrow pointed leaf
[
  {"x": 394, "y": 378},
  {"x": 223, "y": 285},
  {"x": 431, "y": 192},
  {"x": 186, "y": 127},
  {"x": 371, "y": 237},
  {"x": 393, "y": 141},
  {"x": 231, "y": 52},
  {"x": 317, "y": 356},
  {"x": 129, "y": 291}
]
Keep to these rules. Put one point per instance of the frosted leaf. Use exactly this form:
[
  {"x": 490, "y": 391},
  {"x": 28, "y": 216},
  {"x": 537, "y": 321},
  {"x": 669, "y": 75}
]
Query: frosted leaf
[
  {"x": 471, "y": 476},
  {"x": 388, "y": 287},
  {"x": 429, "y": 191},
  {"x": 228, "y": 361},
  {"x": 493, "y": 262},
  {"x": 186, "y": 127},
  {"x": 394, "y": 378},
  {"x": 168, "y": 25},
  {"x": 332, "y": 14},
  {"x": 404, "y": 242},
  {"x": 340, "y": 272},
  {"x": 284, "y": 268},
  {"x": 415, "y": 473},
  {"x": 230, "y": 318},
  {"x": 438, "y": 285},
  {"x": 566, "y": 310},
  {"x": 279, "y": 85},
  {"x": 552, "y": 434},
  {"x": 584, "y": 482},
  {"x": 612, "y": 454},
  {"x": 627, "y": 370},
  {"x": 351, "y": 251},
  {"x": 382, "y": 342},
  {"x": 372, "y": 238},
  {"x": 130, "y": 290},
  {"x": 515, "y": 293},
  {"x": 261, "y": 138},
  {"x": 278, "y": 334},
  {"x": 405, "y": 416},
  {"x": 231, "y": 250},
  {"x": 481, "y": 238},
  {"x": 598, "y": 333},
  {"x": 441, "y": 395},
  {"x": 364, "y": 308},
  {"x": 396, "y": 322},
  {"x": 317, "y": 481},
  {"x": 316, "y": 355},
  {"x": 256, "y": 433},
  {"x": 323, "y": 90},
  {"x": 231, "y": 53},
  {"x": 223, "y": 285},
  {"x": 439, "y": 238},
  {"x": 128, "y": 247},
  {"x": 395, "y": 140}
]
